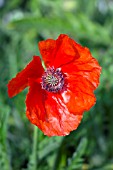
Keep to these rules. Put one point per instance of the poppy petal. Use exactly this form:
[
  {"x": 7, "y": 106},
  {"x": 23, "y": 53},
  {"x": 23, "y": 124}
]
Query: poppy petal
[
  {"x": 35, "y": 101},
  {"x": 78, "y": 96},
  {"x": 58, "y": 52},
  {"x": 46, "y": 49},
  {"x": 47, "y": 111},
  {"x": 82, "y": 79},
  {"x": 85, "y": 66},
  {"x": 34, "y": 69},
  {"x": 61, "y": 121},
  {"x": 65, "y": 51}
]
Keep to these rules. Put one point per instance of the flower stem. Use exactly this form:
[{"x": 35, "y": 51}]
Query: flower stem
[
  {"x": 35, "y": 144},
  {"x": 33, "y": 158}
]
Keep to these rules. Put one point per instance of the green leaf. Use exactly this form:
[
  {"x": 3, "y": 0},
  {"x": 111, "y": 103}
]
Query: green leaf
[{"x": 76, "y": 161}]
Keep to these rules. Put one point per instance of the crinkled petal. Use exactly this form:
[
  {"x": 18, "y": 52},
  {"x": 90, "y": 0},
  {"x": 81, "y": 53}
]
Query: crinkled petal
[
  {"x": 35, "y": 101},
  {"x": 85, "y": 66},
  {"x": 60, "y": 119},
  {"x": 82, "y": 77},
  {"x": 49, "y": 113},
  {"x": 46, "y": 49},
  {"x": 34, "y": 69},
  {"x": 78, "y": 95},
  {"x": 58, "y": 52}
]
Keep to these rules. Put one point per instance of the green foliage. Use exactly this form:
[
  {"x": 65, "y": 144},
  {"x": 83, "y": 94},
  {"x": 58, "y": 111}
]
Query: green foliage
[
  {"x": 4, "y": 157},
  {"x": 22, "y": 24},
  {"x": 76, "y": 161}
]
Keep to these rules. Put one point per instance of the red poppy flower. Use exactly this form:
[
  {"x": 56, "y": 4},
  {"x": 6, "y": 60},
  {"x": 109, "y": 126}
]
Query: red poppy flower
[{"x": 58, "y": 95}]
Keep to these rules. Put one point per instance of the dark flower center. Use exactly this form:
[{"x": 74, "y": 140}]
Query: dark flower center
[{"x": 53, "y": 80}]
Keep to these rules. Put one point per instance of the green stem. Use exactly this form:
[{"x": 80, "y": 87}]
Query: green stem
[
  {"x": 35, "y": 142},
  {"x": 33, "y": 158}
]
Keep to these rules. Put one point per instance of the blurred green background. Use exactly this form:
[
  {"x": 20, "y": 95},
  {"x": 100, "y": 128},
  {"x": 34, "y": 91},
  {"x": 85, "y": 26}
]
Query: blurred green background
[{"x": 22, "y": 24}]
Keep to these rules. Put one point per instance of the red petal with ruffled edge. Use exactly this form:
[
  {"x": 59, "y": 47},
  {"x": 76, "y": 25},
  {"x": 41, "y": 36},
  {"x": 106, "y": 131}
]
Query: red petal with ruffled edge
[
  {"x": 85, "y": 66},
  {"x": 34, "y": 69},
  {"x": 79, "y": 95},
  {"x": 82, "y": 79},
  {"x": 49, "y": 113},
  {"x": 58, "y": 52},
  {"x": 35, "y": 101},
  {"x": 46, "y": 49}
]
